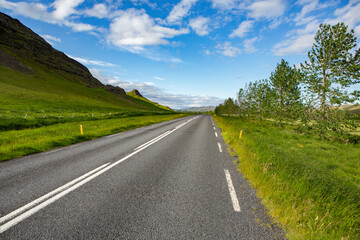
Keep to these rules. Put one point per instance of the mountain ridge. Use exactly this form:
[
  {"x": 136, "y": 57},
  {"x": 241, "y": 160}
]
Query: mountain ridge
[{"x": 34, "y": 67}]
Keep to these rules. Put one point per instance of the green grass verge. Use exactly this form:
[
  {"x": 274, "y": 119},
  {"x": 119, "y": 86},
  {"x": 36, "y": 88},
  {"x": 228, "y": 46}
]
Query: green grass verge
[
  {"x": 310, "y": 186},
  {"x": 17, "y": 143}
]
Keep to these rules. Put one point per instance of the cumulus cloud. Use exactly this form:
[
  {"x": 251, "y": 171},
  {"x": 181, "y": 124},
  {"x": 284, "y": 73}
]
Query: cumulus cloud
[
  {"x": 243, "y": 28},
  {"x": 38, "y": 11},
  {"x": 79, "y": 27},
  {"x": 51, "y": 39},
  {"x": 308, "y": 6},
  {"x": 249, "y": 45},
  {"x": 300, "y": 40},
  {"x": 32, "y": 10},
  {"x": 92, "y": 62},
  {"x": 134, "y": 29},
  {"x": 99, "y": 10},
  {"x": 298, "y": 44},
  {"x": 159, "y": 78},
  {"x": 227, "y": 50},
  {"x": 223, "y": 4},
  {"x": 207, "y": 52},
  {"x": 141, "y": 2},
  {"x": 266, "y": 9},
  {"x": 348, "y": 14},
  {"x": 200, "y": 25},
  {"x": 155, "y": 94},
  {"x": 64, "y": 8},
  {"x": 180, "y": 10}
]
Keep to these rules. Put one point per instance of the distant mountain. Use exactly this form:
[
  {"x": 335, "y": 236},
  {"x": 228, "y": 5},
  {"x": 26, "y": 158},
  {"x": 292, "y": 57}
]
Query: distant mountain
[
  {"x": 48, "y": 79},
  {"x": 199, "y": 109}
]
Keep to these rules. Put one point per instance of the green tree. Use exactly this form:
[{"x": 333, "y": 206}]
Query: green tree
[
  {"x": 229, "y": 106},
  {"x": 241, "y": 99},
  {"x": 285, "y": 82},
  {"x": 333, "y": 67},
  {"x": 263, "y": 97}
]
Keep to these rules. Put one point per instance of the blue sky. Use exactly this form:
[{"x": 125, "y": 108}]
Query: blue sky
[{"x": 182, "y": 53}]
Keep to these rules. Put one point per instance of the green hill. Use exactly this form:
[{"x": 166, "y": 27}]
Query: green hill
[
  {"x": 137, "y": 97},
  {"x": 36, "y": 78},
  {"x": 353, "y": 109}
]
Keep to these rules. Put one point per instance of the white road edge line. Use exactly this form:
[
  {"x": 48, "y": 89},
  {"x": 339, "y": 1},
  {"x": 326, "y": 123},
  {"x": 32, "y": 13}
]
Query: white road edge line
[
  {"x": 233, "y": 196},
  {"x": 65, "y": 189},
  {"x": 216, "y": 134},
  {"x": 220, "y": 149}
]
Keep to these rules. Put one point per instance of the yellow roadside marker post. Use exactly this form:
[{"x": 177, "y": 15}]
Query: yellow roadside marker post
[
  {"x": 81, "y": 130},
  {"x": 241, "y": 133}
]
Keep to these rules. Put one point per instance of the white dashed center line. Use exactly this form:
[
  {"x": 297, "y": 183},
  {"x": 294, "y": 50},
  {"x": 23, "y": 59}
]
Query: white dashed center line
[
  {"x": 220, "y": 149},
  {"x": 233, "y": 196}
]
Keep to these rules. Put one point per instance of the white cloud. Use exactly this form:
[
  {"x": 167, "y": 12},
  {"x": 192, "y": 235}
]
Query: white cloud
[
  {"x": 79, "y": 27},
  {"x": 350, "y": 14},
  {"x": 141, "y": 2},
  {"x": 180, "y": 10},
  {"x": 243, "y": 28},
  {"x": 41, "y": 12},
  {"x": 208, "y": 52},
  {"x": 92, "y": 62},
  {"x": 298, "y": 44},
  {"x": 227, "y": 50},
  {"x": 51, "y": 39},
  {"x": 223, "y": 4},
  {"x": 65, "y": 8},
  {"x": 357, "y": 30},
  {"x": 175, "y": 60},
  {"x": 33, "y": 10},
  {"x": 159, "y": 78},
  {"x": 134, "y": 29},
  {"x": 266, "y": 9},
  {"x": 200, "y": 25},
  {"x": 249, "y": 45},
  {"x": 154, "y": 93},
  {"x": 275, "y": 23},
  {"x": 308, "y": 6},
  {"x": 99, "y": 10}
]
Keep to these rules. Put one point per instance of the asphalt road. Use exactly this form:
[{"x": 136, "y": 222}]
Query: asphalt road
[{"x": 172, "y": 180}]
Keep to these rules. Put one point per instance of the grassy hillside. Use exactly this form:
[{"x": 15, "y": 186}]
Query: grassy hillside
[
  {"x": 311, "y": 186},
  {"x": 139, "y": 98},
  {"x": 45, "y": 96},
  {"x": 34, "y": 77}
]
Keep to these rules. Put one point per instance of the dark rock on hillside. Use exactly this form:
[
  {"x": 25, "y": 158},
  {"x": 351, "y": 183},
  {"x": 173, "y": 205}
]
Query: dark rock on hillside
[
  {"x": 10, "y": 62},
  {"x": 115, "y": 90},
  {"x": 27, "y": 47}
]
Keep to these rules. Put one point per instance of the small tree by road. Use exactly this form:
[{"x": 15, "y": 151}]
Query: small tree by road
[
  {"x": 332, "y": 68},
  {"x": 285, "y": 82}
]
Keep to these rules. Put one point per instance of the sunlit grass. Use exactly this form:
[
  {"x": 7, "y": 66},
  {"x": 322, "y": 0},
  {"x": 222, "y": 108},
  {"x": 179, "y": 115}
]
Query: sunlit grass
[
  {"x": 17, "y": 143},
  {"x": 310, "y": 186}
]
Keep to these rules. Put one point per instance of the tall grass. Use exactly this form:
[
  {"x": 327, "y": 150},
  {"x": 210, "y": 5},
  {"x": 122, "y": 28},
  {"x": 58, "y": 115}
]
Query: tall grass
[
  {"x": 17, "y": 143},
  {"x": 310, "y": 186},
  {"x": 16, "y": 120}
]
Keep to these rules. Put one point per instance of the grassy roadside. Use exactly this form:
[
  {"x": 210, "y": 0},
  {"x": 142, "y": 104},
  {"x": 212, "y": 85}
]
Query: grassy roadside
[
  {"x": 17, "y": 143},
  {"x": 310, "y": 186}
]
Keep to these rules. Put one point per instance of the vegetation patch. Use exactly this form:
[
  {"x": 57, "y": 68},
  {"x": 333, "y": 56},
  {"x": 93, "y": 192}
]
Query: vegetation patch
[
  {"x": 17, "y": 143},
  {"x": 309, "y": 185}
]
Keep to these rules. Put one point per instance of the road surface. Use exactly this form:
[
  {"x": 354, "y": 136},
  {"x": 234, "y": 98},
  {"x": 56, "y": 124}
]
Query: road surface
[{"x": 172, "y": 180}]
